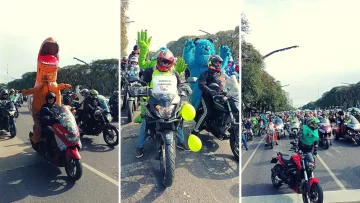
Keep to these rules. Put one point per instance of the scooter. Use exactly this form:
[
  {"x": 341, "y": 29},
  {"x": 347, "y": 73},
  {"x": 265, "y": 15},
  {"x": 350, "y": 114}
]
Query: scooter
[{"x": 66, "y": 144}]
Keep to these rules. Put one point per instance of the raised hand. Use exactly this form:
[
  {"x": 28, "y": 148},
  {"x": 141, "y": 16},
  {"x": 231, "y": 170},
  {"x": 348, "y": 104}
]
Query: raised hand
[
  {"x": 180, "y": 66},
  {"x": 143, "y": 40}
]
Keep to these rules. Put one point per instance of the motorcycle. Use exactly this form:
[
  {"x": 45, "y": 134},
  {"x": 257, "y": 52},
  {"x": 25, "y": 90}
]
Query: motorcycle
[
  {"x": 114, "y": 111},
  {"x": 325, "y": 133},
  {"x": 297, "y": 173},
  {"x": 163, "y": 117},
  {"x": 66, "y": 144},
  {"x": 294, "y": 128},
  {"x": 7, "y": 117},
  {"x": 352, "y": 131},
  {"x": 224, "y": 123},
  {"x": 17, "y": 104},
  {"x": 131, "y": 80},
  {"x": 279, "y": 127},
  {"x": 100, "y": 123},
  {"x": 271, "y": 140},
  {"x": 248, "y": 135}
]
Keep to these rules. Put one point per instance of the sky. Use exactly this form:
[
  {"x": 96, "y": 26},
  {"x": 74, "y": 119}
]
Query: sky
[
  {"x": 88, "y": 30},
  {"x": 168, "y": 20},
  {"x": 327, "y": 35}
]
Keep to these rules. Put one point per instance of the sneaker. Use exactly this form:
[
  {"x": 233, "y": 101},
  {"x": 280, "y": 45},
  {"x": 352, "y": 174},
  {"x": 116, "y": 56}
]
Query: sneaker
[
  {"x": 139, "y": 152},
  {"x": 182, "y": 147},
  {"x": 247, "y": 149}
]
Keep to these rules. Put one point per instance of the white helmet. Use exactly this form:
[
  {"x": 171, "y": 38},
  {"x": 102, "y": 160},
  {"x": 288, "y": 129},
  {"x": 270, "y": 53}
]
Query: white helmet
[{"x": 133, "y": 59}]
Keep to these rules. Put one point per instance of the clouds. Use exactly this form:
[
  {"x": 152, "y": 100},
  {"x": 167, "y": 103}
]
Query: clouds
[
  {"x": 327, "y": 39},
  {"x": 85, "y": 29}
]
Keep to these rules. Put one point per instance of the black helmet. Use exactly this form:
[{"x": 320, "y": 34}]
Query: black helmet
[
  {"x": 4, "y": 92},
  {"x": 215, "y": 59},
  {"x": 136, "y": 47},
  {"x": 115, "y": 93},
  {"x": 50, "y": 95}
]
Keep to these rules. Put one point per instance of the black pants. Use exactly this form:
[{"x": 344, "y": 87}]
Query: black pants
[
  {"x": 85, "y": 118},
  {"x": 206, "y": 103},
  {"x": 48, "y": 134}
]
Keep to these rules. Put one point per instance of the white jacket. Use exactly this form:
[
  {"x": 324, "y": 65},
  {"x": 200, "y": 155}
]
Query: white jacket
[{"x": 81, "y": 98}]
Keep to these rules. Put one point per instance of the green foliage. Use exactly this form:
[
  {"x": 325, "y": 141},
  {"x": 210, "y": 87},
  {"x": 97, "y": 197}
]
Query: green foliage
[
  {"x": 123, "y": 38},
  {"x": 229, "y": 38},
  {"x": 102, "y": 75}
]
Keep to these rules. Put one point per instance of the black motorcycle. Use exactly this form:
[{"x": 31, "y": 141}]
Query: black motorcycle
[
  {"x": 114, "y": 110},
  {"x": 7, "y": 117},
  {"x": 163, "y": 119},
  {"x": 100, "y": 123},
  {"x": 131, "y": 81}
]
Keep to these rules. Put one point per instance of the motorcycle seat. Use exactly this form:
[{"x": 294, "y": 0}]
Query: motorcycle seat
[
  {"x": 283, "y": 154},
  {"x": 286, "y": 161}
]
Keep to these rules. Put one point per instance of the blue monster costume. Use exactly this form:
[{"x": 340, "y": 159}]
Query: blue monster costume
[{"x": 196, "y": 54}]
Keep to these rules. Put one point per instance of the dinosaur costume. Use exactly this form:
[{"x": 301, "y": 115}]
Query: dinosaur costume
[
  {"x": 46, "y": 76},
  {"x": 144, "y": 42},
  {"x": 196, "y": 54}
]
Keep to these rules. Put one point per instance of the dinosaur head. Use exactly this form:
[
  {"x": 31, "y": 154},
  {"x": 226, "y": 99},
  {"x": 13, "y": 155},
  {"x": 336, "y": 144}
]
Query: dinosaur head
[
  {"x": 48, "y": 61},
  {"x": 204, "y": 48}
]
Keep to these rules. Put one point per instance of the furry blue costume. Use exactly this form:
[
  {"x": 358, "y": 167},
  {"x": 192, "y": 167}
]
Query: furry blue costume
[{"x": 196, "y": 54}]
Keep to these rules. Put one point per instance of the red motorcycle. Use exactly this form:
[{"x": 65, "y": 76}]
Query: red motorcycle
[
  {"x": 297, "y": 173},
  {"x": 66, "y": 144}
]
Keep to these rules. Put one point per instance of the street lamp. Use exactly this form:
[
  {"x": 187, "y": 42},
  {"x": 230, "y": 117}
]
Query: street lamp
[
  {"x": 205, "y": 32},
  {"x": 279, "y": 50},
  {"x": 129, "y": 22},
  {"x": 285, "y": 85},
  {"x": 81, "y": 61}
]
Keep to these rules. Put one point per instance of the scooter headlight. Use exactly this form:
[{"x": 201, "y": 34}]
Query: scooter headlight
[
  {"x": 12, "y": 113},
  {"x": 72, "y": 138},
  {"x": 165, "y": 112},
  {"x": 108, "y": 117}
]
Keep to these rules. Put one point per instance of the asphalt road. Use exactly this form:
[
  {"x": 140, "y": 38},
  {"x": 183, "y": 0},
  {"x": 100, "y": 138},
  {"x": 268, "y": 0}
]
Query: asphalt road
[
  {"x": 212, "y": 175},
  {"x": 337, "y": 169},
  {"x": 26, "y": 177}
]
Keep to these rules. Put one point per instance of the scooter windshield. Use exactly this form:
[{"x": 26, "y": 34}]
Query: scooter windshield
[
  {"x": 324, "y": 122},
  {"x": 67, "y": 120},
  {"x": 353, "y": 120}
]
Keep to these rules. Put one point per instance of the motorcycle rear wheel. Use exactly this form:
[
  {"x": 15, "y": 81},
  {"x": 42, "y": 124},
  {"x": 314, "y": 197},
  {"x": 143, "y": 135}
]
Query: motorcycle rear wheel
[
  {"x": 108, "y": 137},
  {"x": 318, "y": 197},
  {"x": 130, "y": 109},
  {"x": 234, "y": 143},
  {"x": 72, "y": 164}
]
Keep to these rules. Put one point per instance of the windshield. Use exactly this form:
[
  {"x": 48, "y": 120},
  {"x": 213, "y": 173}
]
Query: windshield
[
  {"x": 103, "y": 105},
  {"x": 232, "y": 86},
  {"x": 164, "y": 90},
  {"x": 67, "y": 120},
  {"x": 324, "y": 121},
  {"x": 15, "y": 98},
  {"x": 353, "y": 120},
  {"x": 295, "y": 120}
]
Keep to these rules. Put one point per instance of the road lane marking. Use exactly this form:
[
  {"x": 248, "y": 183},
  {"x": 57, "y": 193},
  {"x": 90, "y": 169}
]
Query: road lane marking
[
  {"x": 101, "y": 174},
  {"x": 248, "y": 161},
  {"x": 331, "y": 173},
  {"x": 329, "y": 196}
]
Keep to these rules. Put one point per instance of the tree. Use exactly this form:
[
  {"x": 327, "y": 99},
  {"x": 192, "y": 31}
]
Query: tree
[{"x": 123, "y": 38}]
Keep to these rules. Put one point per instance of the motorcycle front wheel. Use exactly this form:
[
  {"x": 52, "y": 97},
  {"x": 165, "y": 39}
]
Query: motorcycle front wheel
[
  {"x": 111, "y": 135},
  {"x": 167, "y": 163},
  {"x": 316, "y": 194},
  {"x": 12, "y": 127},
  {"x": 73, "y": 169},
  {"x": 234, "y": 143}
]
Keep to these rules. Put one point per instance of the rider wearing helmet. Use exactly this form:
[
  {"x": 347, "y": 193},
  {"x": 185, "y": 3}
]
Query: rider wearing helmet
[
  {"x": 123, "y": 63},
  {"x": 133, "y": 67},
  {"x": 164, "y": 67},
  {"x": 12, "y": 93},
  {"x": 114, "y": 104},
  {"x": 4, "y": 95},
  {"x": 49, "y": 113},
  {"x": 309, "y": 140},
  {"x": 135, "y": 52},
  {"x": 90, "y": 105},
  {"x": 212, "y": 75}
]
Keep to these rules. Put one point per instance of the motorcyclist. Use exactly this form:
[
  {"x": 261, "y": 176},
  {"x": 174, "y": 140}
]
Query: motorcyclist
[
  {"x": 243, "y": 139},
  {"x": 309, "y": 140},
  {"x": 4, "y": 95},
  {"x": 12, "y": 94},
  {"x": 123, "y": 63},
  {"x": 164, "y": 65},
  {"x": 272, "y": 128},
  {"x": 114, "y": 103},
  {"x": 49, "y": 114},
  {"x": 248, "y": 126},
  {"x": 341, "y": 121},
  {"x": 212, "y": 75},
  {"x": 133, "y": 67},
  {"x": 135, "y": 52},
  {"x": 67, "y": 98},
  {"x": 90, "y": 105},
  {"x": 81, "y": 95}
]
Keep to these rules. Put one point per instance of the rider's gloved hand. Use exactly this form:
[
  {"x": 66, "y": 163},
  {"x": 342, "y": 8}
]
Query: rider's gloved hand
[
  {"x": 315, "y": 152},
  {"x": 212, "y": 92}
]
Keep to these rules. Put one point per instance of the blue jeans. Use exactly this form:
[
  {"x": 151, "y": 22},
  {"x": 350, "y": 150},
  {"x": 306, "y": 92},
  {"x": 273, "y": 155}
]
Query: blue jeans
[
  {"x": 142, "y": 135},
  {"x": 243, "y": 139}
]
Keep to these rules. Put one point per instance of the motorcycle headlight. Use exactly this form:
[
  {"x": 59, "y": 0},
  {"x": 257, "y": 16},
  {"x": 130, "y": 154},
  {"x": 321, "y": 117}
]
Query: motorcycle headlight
[
  {"x": 165, "y": 112},
  {"x": 109, "y": 118},
  {"x": 12, "y": 113},
  {"x": 72, "y": 138}
]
